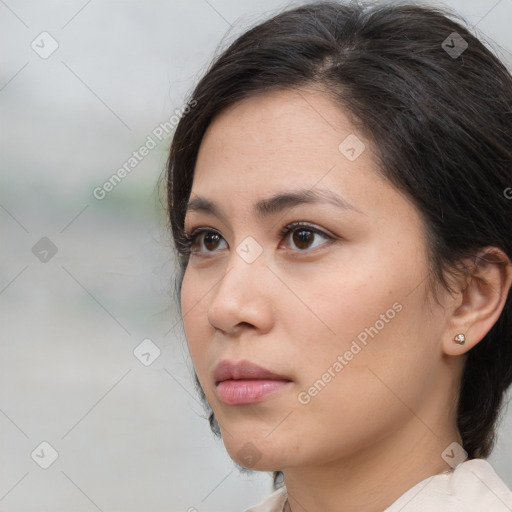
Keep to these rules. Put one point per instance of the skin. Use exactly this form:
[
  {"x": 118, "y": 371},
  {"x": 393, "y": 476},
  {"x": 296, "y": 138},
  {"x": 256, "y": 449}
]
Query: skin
[{"x": 381, "y": 424}]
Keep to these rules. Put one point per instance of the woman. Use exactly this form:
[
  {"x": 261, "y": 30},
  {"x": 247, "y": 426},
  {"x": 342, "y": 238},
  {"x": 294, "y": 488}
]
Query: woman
[{"x": 339, "y": 197}]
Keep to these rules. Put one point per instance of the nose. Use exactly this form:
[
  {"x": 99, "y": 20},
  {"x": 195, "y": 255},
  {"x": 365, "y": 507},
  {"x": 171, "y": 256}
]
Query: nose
[{"x": 242, "y": 299}]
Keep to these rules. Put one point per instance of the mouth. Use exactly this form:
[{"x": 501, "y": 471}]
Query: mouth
[{"x": 244, "y": 383}]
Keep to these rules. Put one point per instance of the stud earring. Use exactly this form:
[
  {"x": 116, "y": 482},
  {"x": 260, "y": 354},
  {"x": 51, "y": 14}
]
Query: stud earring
[{"x": 460, "y": 339}]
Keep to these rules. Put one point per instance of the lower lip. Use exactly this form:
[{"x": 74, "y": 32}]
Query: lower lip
[{"x": 243, "y": 392}]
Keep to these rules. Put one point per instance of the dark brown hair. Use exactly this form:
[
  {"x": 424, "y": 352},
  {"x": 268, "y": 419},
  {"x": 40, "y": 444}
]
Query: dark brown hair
[{"x": 439, "y": 116}]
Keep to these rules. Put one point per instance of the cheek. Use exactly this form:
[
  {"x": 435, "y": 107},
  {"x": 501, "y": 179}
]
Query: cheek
[
  {"x": 350, "y": 402},
  {"x": 194, "y": 315},
  {"x": 346, "y": 299},
  {"x": 187, "y": 290},
  {"x": 368, "y": 324}
]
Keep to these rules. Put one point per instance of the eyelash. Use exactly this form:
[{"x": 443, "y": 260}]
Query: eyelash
[{"x": 187, "y": 241}]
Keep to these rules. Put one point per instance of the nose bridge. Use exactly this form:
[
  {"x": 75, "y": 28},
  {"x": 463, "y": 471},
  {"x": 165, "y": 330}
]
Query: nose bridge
[
  {"x": 245, "y": 266},
  {"x": 240, "y": 294}
]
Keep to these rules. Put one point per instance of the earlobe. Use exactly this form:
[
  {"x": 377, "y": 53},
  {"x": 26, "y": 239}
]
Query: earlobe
[
  {"x": 458, "y": 344},
  {"x": 480, "y": 303},
  {"x": 460, "y": 339}
]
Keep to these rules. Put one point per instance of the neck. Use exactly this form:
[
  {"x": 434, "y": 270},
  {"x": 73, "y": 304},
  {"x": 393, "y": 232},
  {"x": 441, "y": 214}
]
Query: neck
[{"x": 371, "y": 479}]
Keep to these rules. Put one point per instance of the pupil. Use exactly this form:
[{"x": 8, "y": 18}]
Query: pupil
[
  {"x": 211, "y": 238},
  {"x": 302, "y": 238}
]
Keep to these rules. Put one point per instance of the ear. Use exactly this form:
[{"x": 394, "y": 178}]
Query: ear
[{"x": 478, "y": 305}]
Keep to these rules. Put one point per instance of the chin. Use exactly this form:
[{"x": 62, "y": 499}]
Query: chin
[{"x": 255, "y": 455}]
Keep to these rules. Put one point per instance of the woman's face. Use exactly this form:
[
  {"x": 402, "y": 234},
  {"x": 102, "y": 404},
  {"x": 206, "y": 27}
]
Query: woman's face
[{"x": 337, "y": 309}]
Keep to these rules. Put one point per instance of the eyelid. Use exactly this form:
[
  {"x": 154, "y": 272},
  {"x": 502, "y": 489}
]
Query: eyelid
[
  {"x": 202, "y": 229},
  {"x": 289, "y": 227},
  {"x": 294, "y": 226},
  {"x": 191, "y": 239},
  {"x": 284, "y": 233}
]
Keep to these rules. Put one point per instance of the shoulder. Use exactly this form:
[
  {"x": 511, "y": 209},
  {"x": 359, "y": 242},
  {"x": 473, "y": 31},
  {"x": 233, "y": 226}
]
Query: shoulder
[
  {"x": 273, "y": 503},
  {"x": 473, "y": 486}
]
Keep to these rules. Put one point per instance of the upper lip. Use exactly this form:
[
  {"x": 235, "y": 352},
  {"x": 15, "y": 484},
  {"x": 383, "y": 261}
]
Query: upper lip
[{"x": 237, "y": 370}]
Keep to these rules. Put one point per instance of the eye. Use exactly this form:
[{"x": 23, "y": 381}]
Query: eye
[
  {"x": 302, "y": 235},
  {"x": 205, "y": 235}
]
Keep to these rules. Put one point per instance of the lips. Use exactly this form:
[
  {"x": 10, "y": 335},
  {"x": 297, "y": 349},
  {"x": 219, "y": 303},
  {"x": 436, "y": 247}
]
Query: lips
[
  {"x": 243, "y": 370},
  {"x": 246, "y": 383}
]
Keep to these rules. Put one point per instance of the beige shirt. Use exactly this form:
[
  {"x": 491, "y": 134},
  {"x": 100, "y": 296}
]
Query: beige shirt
[{"x": 473, "y": 486}]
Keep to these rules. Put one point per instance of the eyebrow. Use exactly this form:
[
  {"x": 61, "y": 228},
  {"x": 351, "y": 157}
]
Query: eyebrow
[{"x": 277, "y": 203}]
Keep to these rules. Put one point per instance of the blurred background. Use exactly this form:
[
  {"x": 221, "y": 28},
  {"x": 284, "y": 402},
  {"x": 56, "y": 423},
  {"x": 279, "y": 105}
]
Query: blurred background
[{"x": 97, "y": 404}]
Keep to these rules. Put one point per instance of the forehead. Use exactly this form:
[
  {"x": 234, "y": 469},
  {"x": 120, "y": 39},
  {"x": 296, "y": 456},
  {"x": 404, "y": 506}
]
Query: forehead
[
  {"x": 279, "y": 124},
  {"x": 276, "y": 138}
]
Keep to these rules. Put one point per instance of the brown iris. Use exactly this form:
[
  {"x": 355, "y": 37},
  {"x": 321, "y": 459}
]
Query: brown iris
[
  {"x": 213, "y": 239},
  {"x": 302, "y": 238}
]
